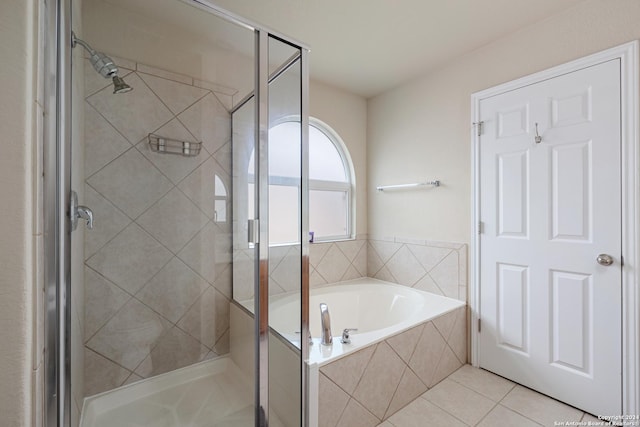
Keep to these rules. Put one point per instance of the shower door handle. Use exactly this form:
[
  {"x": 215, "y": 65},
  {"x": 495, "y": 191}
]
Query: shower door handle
[{"x": 78, "y": 211}]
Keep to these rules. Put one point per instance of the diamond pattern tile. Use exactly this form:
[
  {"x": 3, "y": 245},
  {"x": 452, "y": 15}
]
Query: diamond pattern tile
[
  {"x": 102, "y": 142},
  {"x": 405, "y": 343},
  {"x": 131, "y": 183},
  {"x": 427, "y": 284},
  {"x": 350, "y": 248},
  {"x": 355, "y": 415},
  {"x": 150, "y": 112},
  {"x": 347, "y": 372},
  {"x": 101, "y": 373},
  {"x": 332, "y": 403},
  {"x": 445, "y": 274},
  {"x": 429, "y": 256},
  {"x": 427, "y": 353},
  {"x": 223, "y": 157},
  {"x": 447, "y": 365},
  {"x": 173, "y": 290},
  {"x": 360, "y": 261},
  {"x": 458, "y": 338},
  {"x": 130, "y": 259},
  {"x": 176, "y": 96},
  {"x": 208, "y": 318},
  {"x": 288, "y": 273},
  {"x": 102, "y": 301},
  {"x": 404, "y": 266},
  {"x": 108, "y": 221},
  {"x": 374, "y": 262},
  {"x": 209, "y": 121},
  {"x": 385, "y": 250},
  {"x": 385, "y": 274},
  {"x": 444, "y": 324},
  {"x": 127, "y": 184},
  {"x": 200, "y": 185},
  {"x": 409, "y": 389},
  {"x": 204, "y": 255},
  {"x": 333, "y": 265},
  {"x": 380, "y": 380},
  {"x": 317, "y": 251},
  {"x": 173, "y": 221},
  {"x": 130, "y": 335},
  {"x": 174, "y": 350}
]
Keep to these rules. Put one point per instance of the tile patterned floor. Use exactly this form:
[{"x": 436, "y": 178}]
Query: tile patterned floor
[{"x": 475, "y": 397}]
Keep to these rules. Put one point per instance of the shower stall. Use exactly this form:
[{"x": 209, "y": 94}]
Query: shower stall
[{"x": 163, "y": 246}]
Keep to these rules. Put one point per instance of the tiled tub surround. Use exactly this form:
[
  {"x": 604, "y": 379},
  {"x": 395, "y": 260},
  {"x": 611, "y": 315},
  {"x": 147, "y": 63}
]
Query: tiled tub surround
[
  {"x": 157, "y": 263},
  {"x": 436, "y": 267},
  {"x": 330, "y": 262},
  {"x": 333, "y": 262},
  {"x": 366, "y": 387}
]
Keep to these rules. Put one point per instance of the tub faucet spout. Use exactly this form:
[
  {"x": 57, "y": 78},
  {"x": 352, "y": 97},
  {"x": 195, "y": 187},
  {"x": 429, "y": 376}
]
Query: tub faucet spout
[{"x": 325, "y": 319}]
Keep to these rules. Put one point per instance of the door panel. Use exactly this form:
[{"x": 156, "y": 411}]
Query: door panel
[
  {"x": 550, "y": 313},
  {"x": 513, "y": 194},
  {"x": 513, "y": 313}
]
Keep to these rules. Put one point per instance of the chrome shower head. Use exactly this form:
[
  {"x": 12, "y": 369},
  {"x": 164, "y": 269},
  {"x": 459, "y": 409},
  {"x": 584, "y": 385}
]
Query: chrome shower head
[
  {"x": 103, "y": 65},
  {"x": 119, "y": 85}
]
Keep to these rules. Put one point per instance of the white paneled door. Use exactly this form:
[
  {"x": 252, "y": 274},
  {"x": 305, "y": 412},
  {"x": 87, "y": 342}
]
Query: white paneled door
[{"x": 550, "y": 206}]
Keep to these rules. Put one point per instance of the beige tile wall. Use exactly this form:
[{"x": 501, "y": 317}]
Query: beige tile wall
[
  {"x": 330, "y": 262},
  {"x": 368, "y": 386},
  {"x": 157, "y": 264},
  {"x": 436, "y": 267},
  {"x": 337, "y": 261}
]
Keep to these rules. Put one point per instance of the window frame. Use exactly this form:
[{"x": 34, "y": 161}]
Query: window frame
[
  {"x": 321, "y": 185},
  {"x": 348, "y": 186}
]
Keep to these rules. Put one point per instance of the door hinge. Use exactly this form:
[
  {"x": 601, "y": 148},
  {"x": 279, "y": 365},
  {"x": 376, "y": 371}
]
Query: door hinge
[
  {"x": 253, "y": 231},
  {"x": 479, "y": 325},
  {"x": 479, "y": 127},
  {"x": 480, "y": 227},
  {"x": 622, "y": 260}
]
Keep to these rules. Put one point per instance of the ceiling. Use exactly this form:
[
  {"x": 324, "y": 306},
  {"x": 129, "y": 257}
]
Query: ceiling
[{"x": 370, "y": 46}]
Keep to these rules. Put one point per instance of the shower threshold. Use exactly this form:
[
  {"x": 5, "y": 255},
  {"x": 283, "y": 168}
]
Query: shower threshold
[{"x": 213, "y": 393}]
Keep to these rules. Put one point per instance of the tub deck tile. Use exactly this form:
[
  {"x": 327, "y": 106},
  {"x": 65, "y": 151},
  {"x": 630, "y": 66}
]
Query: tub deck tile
[
  {"x": 380, "y": 380},
  {"x": 347, "y": 372}
]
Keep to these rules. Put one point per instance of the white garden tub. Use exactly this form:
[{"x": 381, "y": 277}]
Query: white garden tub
[{"x": 376, "y": 308}]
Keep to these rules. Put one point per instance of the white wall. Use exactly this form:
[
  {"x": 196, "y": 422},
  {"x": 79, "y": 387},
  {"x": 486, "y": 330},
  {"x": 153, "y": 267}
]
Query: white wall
[
  {"x": 346, "y": 113},
  {"x": 421, "y": 130},
  {"x": 18, "y": 228}
]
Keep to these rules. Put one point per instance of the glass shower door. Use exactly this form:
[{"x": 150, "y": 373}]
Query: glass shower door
[
  {"x": 165, "y": 275},
  {"x": 285, "y": 233},
  {"x": 269, "y": 219}
]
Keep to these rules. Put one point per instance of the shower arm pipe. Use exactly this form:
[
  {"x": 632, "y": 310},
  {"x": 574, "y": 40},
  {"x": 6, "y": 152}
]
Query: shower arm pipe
[{"x": 75, "y": 40}]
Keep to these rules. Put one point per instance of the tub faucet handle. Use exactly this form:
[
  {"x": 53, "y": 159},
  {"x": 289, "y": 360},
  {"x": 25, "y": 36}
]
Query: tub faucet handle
[
  {"x": 325, "y": 320},
  {"x": 345, "y": 335}
]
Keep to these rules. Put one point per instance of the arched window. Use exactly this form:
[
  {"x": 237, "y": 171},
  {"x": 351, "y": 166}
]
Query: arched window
[{"x": 331, "y": 183}]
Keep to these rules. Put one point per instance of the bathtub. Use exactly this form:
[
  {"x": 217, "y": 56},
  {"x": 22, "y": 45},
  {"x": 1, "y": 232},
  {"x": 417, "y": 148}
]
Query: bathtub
[
  {"x": 407, "y": 341},
  {"x": 378, "y": 309}
]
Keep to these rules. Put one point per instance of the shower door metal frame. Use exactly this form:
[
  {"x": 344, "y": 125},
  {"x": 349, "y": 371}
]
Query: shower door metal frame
[
  {"x": 57, "y": 187},
  {"x": 261, "y": 307},
  {"x": 57, "y": 232}
]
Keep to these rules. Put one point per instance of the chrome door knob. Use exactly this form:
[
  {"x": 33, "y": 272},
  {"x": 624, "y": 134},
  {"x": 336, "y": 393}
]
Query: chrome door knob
[{"x": 604, "y": 259}]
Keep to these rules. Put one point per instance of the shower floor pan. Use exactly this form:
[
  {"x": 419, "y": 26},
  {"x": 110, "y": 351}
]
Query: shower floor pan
[{"x": 213, "y": 393}]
